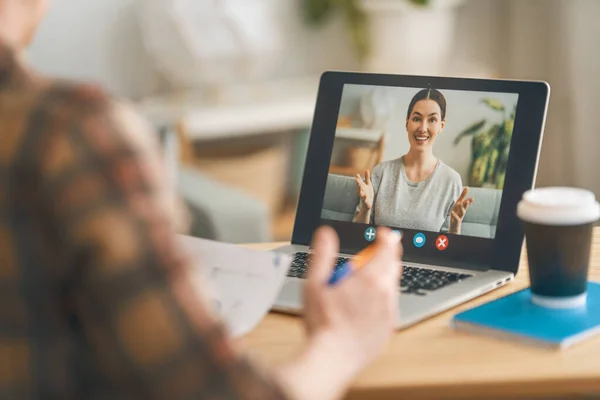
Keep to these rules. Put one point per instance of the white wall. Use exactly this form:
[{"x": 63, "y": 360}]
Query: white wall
[
  {"x": 99, "y": 40},
  {"x": 463, "y": 109},
  {"x": 94, "y": 40},
  {"x": 561, "y": 47}
]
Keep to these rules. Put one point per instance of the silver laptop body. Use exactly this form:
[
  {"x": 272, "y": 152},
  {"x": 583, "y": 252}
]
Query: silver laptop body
[
  {"x": 441, "y": 287},
  {"x": 413, "y": 307}
]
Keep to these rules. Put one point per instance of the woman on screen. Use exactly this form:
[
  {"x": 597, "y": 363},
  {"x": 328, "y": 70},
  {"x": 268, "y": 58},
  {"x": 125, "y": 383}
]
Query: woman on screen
[{"x": 417, "y": 190}]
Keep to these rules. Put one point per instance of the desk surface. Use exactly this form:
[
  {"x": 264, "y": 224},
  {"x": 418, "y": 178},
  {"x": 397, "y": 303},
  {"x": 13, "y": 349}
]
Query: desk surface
[{"x": 430, "y": 360}]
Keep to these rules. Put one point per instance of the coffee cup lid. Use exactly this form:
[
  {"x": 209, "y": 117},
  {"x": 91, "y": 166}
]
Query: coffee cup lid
[{"x": 559, "y": 206}]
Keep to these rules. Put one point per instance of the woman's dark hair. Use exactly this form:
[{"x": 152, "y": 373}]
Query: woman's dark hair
[{"x": 428, "y": 94}]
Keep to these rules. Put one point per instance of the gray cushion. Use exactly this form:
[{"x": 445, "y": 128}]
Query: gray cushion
[
  {"x": 341, "y": 199},
  {"x": 482, "y": 216}
]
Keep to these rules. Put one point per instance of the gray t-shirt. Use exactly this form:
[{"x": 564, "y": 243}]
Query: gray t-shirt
[{"x": 401, "y": 203}]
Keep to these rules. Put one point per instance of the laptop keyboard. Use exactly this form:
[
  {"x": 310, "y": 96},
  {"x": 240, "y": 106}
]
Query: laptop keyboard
[{"x": 414, "y": 280}]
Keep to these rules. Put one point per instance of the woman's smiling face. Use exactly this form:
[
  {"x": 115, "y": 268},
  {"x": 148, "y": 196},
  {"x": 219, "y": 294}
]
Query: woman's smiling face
[{"x": 424, "y": 124}]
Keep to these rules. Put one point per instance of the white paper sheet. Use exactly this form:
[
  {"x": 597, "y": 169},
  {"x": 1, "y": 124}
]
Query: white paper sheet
[{"x": 243, "y": 283}]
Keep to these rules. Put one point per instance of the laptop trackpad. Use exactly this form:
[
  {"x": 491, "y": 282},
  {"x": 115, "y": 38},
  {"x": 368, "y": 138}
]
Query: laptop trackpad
[{"x": 291, "y": 294}]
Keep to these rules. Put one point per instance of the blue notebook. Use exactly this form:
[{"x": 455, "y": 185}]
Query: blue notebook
[{"x": 516, "y": 317}]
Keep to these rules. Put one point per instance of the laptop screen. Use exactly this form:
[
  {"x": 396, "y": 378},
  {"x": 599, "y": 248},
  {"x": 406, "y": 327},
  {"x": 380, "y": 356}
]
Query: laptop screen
[{"x": 424, "y": 161}]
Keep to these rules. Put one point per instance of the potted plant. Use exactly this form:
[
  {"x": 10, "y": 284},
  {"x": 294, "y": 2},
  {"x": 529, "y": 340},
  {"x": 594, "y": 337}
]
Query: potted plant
[
  {"x": 396, "y": 36},
  {"x": 490, "y": 144}
]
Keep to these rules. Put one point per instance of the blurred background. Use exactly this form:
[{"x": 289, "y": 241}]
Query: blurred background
[{"x": 230, "y": 85}]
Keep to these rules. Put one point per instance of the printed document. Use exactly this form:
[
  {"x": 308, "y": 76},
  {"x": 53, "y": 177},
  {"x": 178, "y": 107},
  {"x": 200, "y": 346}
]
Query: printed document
[{"x": 243, "y": 283}]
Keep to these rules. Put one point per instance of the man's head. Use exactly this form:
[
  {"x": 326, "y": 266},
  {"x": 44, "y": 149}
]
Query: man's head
[{"x": 19, "y": 20}]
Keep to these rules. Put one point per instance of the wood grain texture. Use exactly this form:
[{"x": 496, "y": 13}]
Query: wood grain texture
[{"x": 431, "y": 360}]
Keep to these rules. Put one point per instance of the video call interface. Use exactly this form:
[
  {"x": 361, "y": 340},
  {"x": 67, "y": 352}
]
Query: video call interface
[{"x": 421, "y": 159}]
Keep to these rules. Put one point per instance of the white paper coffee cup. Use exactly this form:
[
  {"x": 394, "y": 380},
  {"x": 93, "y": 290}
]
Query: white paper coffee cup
[
  {"x": 559, "y": 206},
  {"x": 558, "y": 225}
]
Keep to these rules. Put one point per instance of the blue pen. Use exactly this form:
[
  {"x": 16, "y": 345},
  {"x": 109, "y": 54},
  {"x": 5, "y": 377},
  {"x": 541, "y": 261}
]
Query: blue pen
[{"x": 352, "y": 265}]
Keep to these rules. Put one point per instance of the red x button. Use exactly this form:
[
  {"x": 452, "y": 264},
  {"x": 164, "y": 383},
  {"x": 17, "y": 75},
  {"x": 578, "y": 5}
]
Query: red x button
[{"x": 441, "y": 243}]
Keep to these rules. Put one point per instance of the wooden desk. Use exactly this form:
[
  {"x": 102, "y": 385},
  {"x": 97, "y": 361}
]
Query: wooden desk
[{"x": 430, "y": 360}]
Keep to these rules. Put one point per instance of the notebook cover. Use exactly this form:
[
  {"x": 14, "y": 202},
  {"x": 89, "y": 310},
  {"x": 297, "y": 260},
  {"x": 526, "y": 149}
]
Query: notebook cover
[{"x": 516, "y": 317}]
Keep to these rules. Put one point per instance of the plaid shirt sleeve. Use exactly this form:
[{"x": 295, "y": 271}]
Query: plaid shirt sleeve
[{"x": 149, "y": 332}]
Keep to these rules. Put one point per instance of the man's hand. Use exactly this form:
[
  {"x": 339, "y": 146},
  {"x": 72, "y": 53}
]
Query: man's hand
[
  {"x": 349, "y": 324},
  {"x": 459, "y": 210}
]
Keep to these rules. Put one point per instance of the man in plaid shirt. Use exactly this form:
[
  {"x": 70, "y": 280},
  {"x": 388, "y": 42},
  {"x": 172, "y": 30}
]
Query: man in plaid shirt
[{"x": 95, "y": 300}]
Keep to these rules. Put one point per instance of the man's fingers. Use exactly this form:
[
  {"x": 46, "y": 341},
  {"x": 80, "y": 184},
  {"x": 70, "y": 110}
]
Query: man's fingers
[
  {"x": 388, "y": 253},
  {"x": 454, "y": 215},
  {"x": 325, "y": 246},
  {"x": 368, "y": 177}
]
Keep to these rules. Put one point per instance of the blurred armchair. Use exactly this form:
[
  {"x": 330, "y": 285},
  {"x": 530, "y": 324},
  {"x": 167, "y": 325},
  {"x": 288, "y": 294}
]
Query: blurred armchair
[
  {"x": 217, "y": 211},
  {"x": 220, "y": 212}
]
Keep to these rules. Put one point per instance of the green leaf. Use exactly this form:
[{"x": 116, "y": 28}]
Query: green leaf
[
  {"x": 357, "y": 25},
  {"x": 421, "y": 3},
  {"x": 500, "y": 175},
  {"x": 483, "y": 142},
  {"x": 501, "y": 167},
  {"x": 478, "y": 170},
  {"x": 492, "y": 165},
  {"x": 509, "y": 125},
  {"x": 494, "y": 104},
  {"x": 317, "y": 12},
  {"x": 469, "y": 131}
]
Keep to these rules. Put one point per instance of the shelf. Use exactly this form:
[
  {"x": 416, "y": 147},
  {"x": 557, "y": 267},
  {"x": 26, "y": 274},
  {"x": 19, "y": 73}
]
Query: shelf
[
  {"x": 238, "y": 111},
  {"x": 256, "y": 118},
  {"x": 367, "y": 135}
]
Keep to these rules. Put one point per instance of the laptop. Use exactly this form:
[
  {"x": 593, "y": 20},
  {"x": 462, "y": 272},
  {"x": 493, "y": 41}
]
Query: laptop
[{"x": 485, "y": 134}]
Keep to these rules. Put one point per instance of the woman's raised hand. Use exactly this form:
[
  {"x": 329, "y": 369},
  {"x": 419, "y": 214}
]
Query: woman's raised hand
[
  {"x": 459, "y": 210},
  {"x": 365, "y": 189}
]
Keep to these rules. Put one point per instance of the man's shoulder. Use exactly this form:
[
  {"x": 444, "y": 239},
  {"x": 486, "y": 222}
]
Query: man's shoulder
[
  {"x": 76, "y": 96},
  {"x": 83, "y": 101}
]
